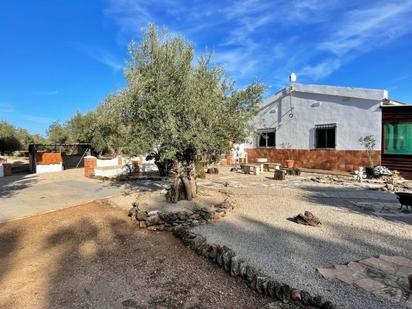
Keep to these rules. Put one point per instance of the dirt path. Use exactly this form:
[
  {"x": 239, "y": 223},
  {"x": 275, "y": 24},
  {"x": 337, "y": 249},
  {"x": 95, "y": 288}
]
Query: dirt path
[{"x": 92, "y": 256}]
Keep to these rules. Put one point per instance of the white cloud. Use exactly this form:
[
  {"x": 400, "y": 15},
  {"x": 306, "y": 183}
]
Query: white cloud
[
  {"x": 6, "y": 108},
  {"x": 37, "y": 119},
  {"x": 358, "y": 32},
  {"x": 253, "y": 37},
  {"x": 101, "y": 55},
  {"x": 47, "y": 93}
]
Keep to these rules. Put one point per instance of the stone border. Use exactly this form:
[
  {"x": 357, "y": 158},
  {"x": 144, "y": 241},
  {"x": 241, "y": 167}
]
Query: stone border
[
  {"x": 179, "y": 223},
  {"x": 158, "y": 221},
  {"x": 227, "y": 259}
]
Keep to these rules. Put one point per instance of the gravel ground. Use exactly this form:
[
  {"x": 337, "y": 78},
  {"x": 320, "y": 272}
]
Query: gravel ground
[
  {"x": 93, "y": 256},
  {"x": 259, "y": 231}
]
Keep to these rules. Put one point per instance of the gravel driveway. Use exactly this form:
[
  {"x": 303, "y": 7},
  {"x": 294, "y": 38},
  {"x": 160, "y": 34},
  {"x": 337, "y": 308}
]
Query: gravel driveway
[{"x": 260, "y": 232}]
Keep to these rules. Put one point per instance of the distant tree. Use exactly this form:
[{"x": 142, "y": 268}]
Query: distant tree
[
  {"x": 177, "y": 109},
  {"x": 8, "y": 138},
  {"x": 111, "y": 132},
  {"x": 57, "y": 133},
  {"x": 81, "y": 128}
]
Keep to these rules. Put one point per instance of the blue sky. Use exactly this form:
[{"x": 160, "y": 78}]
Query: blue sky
[{"x": 58, "y": 56}]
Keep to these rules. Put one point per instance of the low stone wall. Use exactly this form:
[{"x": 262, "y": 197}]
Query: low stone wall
[
  {"x": 325, "y": 159},
  {"x": 158, "y": 221},
  {"x": 237, "y": 267},
  {"x": 179, "y": 222}
]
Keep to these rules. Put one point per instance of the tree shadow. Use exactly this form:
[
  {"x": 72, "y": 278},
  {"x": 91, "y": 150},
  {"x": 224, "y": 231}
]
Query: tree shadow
[
  {"x": 9, "y": 241},
  {"x": 108, "y": 263},
  {"x": 347, "y": 198},
  {"x": 11, "y": 185}
]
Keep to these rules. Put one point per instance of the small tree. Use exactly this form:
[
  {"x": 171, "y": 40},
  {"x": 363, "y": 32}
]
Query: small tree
[
  {"x": 177, "y": 109},
  {"x": 369, "y": 142}
]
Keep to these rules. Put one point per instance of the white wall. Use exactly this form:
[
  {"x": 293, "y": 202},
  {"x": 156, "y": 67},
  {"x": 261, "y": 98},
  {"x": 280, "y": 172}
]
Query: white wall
[
  {"x": 49, "y": 168},
  {"x": 354, "y": 118},
  {"x": 105, "y": 163}
]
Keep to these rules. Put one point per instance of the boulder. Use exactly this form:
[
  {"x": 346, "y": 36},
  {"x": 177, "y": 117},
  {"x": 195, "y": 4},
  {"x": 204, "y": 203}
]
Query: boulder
[{"x": 235, "y": 266}]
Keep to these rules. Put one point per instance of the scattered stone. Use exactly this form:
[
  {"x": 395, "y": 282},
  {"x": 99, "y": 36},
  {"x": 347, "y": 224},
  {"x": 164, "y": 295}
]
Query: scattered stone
[
  {"x": 279, "y": 175},
  {"x": 212, "y": 170},
  {"x": 307, "y": 299},
  {"x": 307, "y": 219},
  {"x": 295, "y": 295},
  {"x": 235, "y": 266},
  {"x": 369, "y": 284},
  {"x": 410, "y": 281},
  {"x": 327, "y": 305}
]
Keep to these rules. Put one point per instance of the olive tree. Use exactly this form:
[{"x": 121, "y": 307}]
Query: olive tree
[{"x": 177, "y": 108}]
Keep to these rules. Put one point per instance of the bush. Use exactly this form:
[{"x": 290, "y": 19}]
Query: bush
[{"x": 294, "y": 171}]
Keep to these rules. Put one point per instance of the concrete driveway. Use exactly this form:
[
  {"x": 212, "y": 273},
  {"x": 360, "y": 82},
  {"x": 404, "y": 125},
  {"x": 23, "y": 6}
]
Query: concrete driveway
[{"x": 26, "y": 195}]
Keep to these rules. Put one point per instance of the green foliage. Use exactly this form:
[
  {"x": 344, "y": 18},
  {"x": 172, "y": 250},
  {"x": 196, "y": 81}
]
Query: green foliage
[
  {"x": 57, "y": 133},
  {"x": 369, "y": 142},
  {"x": 13, "y": 139},
  {"x": 179, "y": 109},
  {"x": 111, "y": 134},
  {"x": 8, "y": 139},
  {"x": 81, "y": 128}
]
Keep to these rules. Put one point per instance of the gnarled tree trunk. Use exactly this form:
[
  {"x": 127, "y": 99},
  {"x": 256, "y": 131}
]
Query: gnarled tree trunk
[{"x": 183, "y": 186}]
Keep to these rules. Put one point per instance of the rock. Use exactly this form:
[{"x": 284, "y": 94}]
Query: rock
[
  {"x": 307, "y": 299},
  {"x": 282, "y": 293},
  {"x": 390, "y": 187},
  {"x": 227, "y": 258},
  {"x": 153, "y": 213},
  {"x": 317, "y": 301},
  {"x": 141, "y": 215},
  {"x": 260, "y": 284},
  {"x": 132, "y": 212},
  {"x": 279, "y": 175},
  {"x": 212, "y": 252},
  {"x": 273, "y": 305},
  {"x": 142, "y": 224},
  {"x": 270, "y": 288},
  {"x": 235, "y": 266},
  {"x": 250, "y": 273},
  {"x": 153, "y": 220},
  {"x": 212, "y": 170},
  {"x": 327, "y": 305},
  {"x": 242, "y": 269},
  {"x": 295, "y": 295},
  {"x": 219, "y": 256},
  {"x": 410, "y": 281},
  {"x": 307, "y": 219}
]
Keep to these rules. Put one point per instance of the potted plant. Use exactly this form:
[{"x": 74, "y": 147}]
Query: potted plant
[
  {"x": 290, "y": 163},
  {"x": 369, "y": 143}
]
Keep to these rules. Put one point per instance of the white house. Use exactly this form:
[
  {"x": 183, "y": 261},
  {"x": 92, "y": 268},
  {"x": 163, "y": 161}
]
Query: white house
[{"x": 322, "y": 124}]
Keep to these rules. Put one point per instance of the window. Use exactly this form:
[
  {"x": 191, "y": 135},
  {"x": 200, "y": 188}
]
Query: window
[
  {"x": 398, "y": 138},
  {"x": 325, "y": 135},
  {"x": 267, "y": 139}
]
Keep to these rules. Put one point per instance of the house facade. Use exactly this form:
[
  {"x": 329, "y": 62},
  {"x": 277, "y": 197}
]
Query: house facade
[
  {"x": 397, "y": 138},
  {"x": 318, "y": 126}
]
